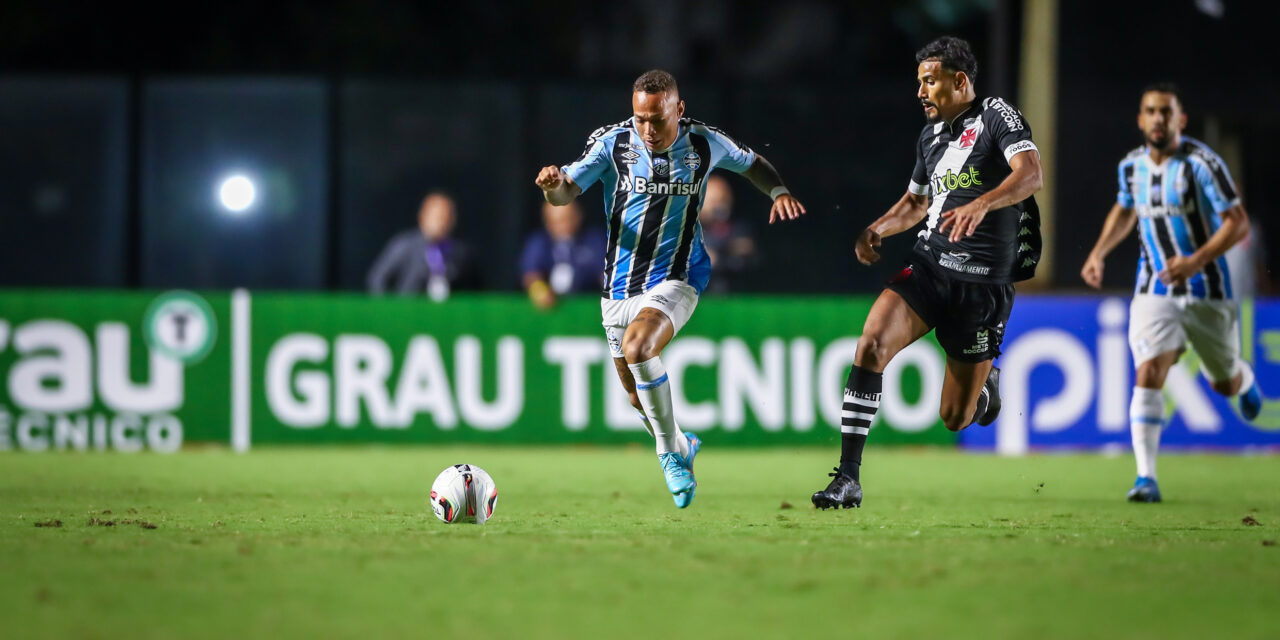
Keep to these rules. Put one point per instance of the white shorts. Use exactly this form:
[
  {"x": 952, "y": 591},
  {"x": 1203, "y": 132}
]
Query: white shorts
[
  {"x": 674, "y": 298},
  {"x": 1159, "y": 324}
]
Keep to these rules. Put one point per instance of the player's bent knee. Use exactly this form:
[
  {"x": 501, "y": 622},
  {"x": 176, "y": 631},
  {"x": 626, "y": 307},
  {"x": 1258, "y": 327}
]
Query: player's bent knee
[
  {"x": 955, "y": 419},
  {"x": 1226, "y": 387},
  {"x": 871, "y": 352},
  {"x": 637, "y": 351},
  {"x": 635, "y": 402}
]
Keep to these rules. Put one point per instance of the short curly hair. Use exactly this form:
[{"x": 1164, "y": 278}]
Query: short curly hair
[
  {"x": 654, "y": 81},
  {"x": 954, "y": 54},
  {"x": 1165, "y": 87}
]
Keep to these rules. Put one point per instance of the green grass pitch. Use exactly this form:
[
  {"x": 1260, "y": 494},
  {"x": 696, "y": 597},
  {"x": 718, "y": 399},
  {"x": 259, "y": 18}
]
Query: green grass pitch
[{"x": 585, "y": 543}]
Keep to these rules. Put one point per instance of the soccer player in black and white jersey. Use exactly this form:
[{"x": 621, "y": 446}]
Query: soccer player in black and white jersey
[
  {"x": 1180, "y": 196},
  {"x": 976, "y": 170}
]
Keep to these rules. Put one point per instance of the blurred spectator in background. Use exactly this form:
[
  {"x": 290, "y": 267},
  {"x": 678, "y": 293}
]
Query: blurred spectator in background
[
  {"x": 728, "y": 242},
  {"x": 562, "y": 257},
  {"x": 1247, "y": 264},
  {"x": 427, "y": 259}
]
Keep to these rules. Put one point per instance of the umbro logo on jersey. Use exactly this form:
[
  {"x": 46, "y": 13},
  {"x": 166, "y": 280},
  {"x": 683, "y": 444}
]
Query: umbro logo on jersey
[
  {"x": 661, "y": 167},
  {"x": 692, "y": 160},
  {"x": 629, "y": 157}
]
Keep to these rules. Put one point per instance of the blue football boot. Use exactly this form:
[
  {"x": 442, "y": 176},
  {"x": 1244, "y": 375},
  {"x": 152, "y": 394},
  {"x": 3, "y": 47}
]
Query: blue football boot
[
  {"x": 679, "y": 478},
  {"x": 684, "y": 499},
  {"x": 1251, "y": 402},
  {"x": 1144, "y": 490}
]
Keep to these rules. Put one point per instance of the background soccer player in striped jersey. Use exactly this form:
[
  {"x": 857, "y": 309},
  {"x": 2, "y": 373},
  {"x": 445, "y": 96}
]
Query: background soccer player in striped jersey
[
  {"x": 1180, "y": 196},
  {"x": 653, "y": 168}
]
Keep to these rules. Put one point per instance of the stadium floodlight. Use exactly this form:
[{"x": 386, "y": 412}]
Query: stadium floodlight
[{"x": 237, "y": 193}]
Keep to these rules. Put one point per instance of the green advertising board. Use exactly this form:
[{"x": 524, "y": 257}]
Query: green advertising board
[{"x": 94, "y": 370}]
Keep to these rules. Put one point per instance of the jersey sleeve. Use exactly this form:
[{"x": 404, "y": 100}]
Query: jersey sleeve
[
  {"x": 727, "y": 153},
  {"x": 919, "y": 184},
  {"x": 1215, "y": 181},
  {"x": 593, "y": 162},
  {"x": 1124, "y": 197},
  {"x": 1007, "y": 128}
]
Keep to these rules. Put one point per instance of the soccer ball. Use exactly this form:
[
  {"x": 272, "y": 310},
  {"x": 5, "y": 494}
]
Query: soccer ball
[{"x": 464, "y": 493}]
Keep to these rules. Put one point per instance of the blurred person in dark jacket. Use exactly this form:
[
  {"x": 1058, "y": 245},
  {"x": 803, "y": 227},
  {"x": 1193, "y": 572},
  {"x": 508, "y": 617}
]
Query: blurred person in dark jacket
[
  {"x": 730, "y": 243},
  {"x": 427, "y": 259},
  {"x": 562, "y": 257}
]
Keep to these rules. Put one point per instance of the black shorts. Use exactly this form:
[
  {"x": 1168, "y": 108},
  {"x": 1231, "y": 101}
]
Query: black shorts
[{"x": 967, "y": 317}]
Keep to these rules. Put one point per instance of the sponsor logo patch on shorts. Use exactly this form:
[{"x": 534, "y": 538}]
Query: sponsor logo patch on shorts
[{"x": 981, "y": 343}]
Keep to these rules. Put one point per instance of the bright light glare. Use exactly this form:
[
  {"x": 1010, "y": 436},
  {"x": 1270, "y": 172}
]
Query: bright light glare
[{"x": 237, "y": 193}]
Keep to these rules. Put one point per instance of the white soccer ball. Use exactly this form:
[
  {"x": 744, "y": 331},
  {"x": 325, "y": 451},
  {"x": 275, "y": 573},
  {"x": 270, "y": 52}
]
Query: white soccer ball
[{"x": 464, "y": 493}]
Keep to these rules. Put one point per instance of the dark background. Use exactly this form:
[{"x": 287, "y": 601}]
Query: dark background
[{"x": 117, "y": 123}]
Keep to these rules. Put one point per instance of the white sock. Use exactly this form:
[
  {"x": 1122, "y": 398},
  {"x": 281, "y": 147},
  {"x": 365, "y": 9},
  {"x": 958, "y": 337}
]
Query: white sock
[
  {"x": 1246, "y": 376},
  {"x": 1146, "y": 418},
  {"x": 655, "y": 397},
  {"x": 645, "y": 421}
]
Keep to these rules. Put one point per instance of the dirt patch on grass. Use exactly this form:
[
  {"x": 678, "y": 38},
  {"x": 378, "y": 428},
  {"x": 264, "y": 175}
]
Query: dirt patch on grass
[
  {"x": 1250, "y": 521},
  {"x": 98, "y": 522},
  {"x": 49, "y": 523}
]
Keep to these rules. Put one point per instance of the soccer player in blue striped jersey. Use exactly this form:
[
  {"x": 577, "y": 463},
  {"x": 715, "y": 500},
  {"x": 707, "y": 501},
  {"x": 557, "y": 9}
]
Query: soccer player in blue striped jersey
[
  {"x": 1180, "y": 196},
  {"x": 653, "y": 168}
]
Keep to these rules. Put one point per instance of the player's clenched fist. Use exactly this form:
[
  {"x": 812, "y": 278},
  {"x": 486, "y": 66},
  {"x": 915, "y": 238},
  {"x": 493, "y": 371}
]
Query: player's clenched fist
[
  {"x": 866, "y": 247},
  {"x": 549, "y": 178}
]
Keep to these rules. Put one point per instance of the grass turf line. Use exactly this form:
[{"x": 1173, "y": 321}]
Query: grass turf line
[{"x": 585, "y": 542}]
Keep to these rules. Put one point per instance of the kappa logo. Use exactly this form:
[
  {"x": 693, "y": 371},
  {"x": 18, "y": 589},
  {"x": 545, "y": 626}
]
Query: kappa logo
[
  {"x": 629, "y": 157},
  {"x": 661, "y": 167},
  {"x": 935, "y": 141},
  {"x": 692, "y": 160}
]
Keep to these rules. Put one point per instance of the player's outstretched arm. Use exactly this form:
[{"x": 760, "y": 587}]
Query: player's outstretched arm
[
  {"x": 1120, "y": 221},
  {"x": 557, "y": 188},
  {"x": 765, "y": 177},
  {"x": 1025, "y": 180},
  {"x": 907, "y": 212},
  {"x": 1235, "y": 226}
]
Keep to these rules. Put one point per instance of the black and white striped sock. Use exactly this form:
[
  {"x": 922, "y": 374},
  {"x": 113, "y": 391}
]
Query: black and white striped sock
[{"x": 861, "y": 401}]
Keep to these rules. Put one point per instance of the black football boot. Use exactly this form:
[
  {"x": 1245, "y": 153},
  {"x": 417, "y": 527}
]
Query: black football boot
[{"x": 843, "y": 491}]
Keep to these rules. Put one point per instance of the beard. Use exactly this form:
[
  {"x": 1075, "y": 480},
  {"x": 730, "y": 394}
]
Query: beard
[
  {"x": 1157, "y": 141},
  {"x": 937, "y": 115}
]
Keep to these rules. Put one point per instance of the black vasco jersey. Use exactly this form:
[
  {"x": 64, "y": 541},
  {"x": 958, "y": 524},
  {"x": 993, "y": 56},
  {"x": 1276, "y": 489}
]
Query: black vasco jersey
[{"x": 955, "y": 163}]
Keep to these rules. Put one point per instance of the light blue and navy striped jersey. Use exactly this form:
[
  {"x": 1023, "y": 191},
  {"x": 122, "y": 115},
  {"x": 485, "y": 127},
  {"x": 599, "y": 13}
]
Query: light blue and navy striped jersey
[
  {"x": 1179, "y": 205},
  {"x": 652, "y": 200}
]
